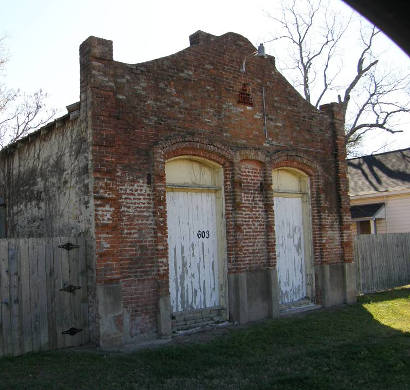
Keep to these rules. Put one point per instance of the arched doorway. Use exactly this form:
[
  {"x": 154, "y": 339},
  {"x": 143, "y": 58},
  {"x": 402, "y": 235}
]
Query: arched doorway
[
  {"x": 293, "y": 235},
  {"x": 196, "y": 235}
]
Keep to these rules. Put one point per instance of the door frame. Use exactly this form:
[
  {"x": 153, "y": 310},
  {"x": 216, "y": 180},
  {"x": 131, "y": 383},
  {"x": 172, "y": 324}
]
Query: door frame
[
  {"x": 303, "y": 192},
  {"x": 175, "y": 184}
]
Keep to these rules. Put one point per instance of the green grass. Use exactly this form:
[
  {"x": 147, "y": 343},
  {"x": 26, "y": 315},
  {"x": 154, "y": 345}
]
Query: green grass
[{"x": 363, "y": 346}]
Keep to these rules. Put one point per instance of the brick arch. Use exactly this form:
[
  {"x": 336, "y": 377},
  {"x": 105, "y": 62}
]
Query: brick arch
[
  {"x": 297, "y": 161},
  {"x": 199, "y": 147}
]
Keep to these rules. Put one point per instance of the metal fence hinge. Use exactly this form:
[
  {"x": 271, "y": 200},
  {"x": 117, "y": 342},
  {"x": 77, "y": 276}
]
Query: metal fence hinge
[
  {"x": 71, "y": 331},
  {"x": 70, "y": 288},
  {"x": 68, "y": 246}
]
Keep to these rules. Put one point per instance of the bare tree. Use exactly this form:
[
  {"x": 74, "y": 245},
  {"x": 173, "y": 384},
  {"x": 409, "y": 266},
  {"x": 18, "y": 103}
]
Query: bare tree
[
  {"x": 315, "y": 36},
  {"x": 20, "y": 113}
]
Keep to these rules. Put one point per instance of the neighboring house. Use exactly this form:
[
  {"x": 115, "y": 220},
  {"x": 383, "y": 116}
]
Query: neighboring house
[
  {"x": 207, "y": 187},
  {"x": 379, "y": 189}
]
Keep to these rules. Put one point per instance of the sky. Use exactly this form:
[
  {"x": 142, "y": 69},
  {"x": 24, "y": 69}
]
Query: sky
[{"x": 42, "y": 38}]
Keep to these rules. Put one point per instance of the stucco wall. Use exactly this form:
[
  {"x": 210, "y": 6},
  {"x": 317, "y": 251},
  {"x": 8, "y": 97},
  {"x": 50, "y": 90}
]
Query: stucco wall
[{"x": 45, "y": 181}]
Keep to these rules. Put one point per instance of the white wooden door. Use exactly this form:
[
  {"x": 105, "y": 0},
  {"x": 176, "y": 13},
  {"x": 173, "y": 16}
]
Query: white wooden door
[
  {"x": 290, "y": 249},
  {"x": 193, "y": 252}
]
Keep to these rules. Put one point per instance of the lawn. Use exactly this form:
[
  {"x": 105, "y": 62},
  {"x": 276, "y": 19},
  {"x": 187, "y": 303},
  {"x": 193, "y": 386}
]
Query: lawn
[{"x": 363, "y": 346}]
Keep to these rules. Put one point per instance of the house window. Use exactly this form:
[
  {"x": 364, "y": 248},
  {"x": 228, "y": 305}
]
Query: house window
[
  {"x": 364, "y": 227},
  {"x": 2, "y": 219},
  {"x": 366, "y": 215}
]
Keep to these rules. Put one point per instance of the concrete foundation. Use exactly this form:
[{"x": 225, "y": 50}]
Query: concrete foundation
[
  {"x": 110, "y": 313},
  {"x": 350, "y": 274},
  {"x": 336, "y": 283},
  {"x": 164, "y": 317},
  {"x": 274, "y": 292},
  {"x": 253, "y": 295}
]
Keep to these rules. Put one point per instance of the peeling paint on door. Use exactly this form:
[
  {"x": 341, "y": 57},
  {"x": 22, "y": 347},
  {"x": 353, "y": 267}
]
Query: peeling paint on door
[
  {"x": 193, "y": 251},
  {"x": 290, "y": 249}
]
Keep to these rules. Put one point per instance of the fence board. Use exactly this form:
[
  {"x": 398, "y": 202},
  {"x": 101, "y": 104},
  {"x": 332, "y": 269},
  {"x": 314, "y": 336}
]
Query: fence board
[
  {"x": 60, "y": 298},
  {"x": 75, "y": 297},
  {"x": 51, "y": 296},
  {"x": 383, "y": 261},
  {"x": 25, "y": 305},
  {"x": 33, "y": 310},
  {"x": 407, "y": 250},
  {"x": 42, "y": 294},
  {"x": 84, "y": 289},
  {"x": 14, "y": 298},
  {"x": 34, "y": 290},
  {"x": 1, "y": 308},
  {"x": 65, "y": 317},
  {"x": 5, "y": 297}
]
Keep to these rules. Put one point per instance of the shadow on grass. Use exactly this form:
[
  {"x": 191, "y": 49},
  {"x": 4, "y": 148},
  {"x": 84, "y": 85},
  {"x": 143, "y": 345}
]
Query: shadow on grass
[
  {"x": 338, "y": 349},
  {"x": 397, "y": 293}
]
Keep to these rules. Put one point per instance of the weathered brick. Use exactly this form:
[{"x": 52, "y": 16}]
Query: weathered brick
[{"x": 198, "y": 102}]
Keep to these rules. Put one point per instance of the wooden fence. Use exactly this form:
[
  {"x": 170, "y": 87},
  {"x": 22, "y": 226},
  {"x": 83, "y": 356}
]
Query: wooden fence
[
  {"x": 43, "y": 294},
  {"x": 383, "y": 261}
]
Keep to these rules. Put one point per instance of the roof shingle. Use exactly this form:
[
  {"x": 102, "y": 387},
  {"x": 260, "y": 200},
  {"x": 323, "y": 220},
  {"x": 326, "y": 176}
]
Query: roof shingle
[{"x": 376, "y": 173}]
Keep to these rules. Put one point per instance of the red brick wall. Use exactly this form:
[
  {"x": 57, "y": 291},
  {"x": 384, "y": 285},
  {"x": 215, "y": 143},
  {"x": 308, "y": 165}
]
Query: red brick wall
[
  {"x": 141, "y": 115},
  {"x": 251, "y": 231}
]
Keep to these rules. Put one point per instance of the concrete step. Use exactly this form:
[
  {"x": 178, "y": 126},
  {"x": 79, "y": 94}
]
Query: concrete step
[
  {"x": 197, "y": 318},
  {"x": 298, "y": 307}
]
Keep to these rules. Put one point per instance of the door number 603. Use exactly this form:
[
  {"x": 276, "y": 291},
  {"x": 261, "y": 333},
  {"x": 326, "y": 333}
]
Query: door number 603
[{"x": 203, "y": 234}]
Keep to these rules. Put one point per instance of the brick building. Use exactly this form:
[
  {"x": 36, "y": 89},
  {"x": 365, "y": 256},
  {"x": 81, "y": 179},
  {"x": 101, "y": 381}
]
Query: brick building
[{"x": 208, "y": 187}]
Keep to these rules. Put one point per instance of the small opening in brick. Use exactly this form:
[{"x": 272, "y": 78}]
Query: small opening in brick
[{"x": 245, "y": 95}]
